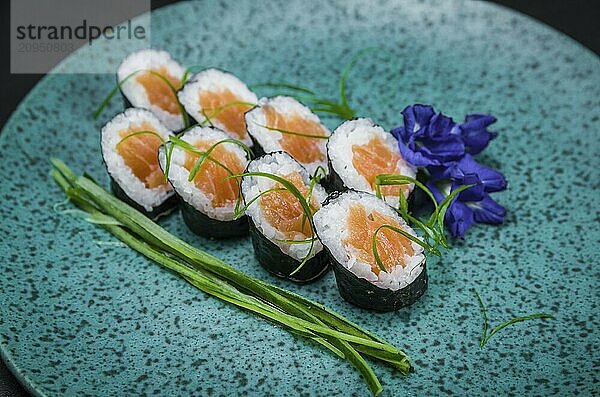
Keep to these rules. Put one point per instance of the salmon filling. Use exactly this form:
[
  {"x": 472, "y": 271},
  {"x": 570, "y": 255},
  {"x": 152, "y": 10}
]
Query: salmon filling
[
  {"x": 159, "y": 93},
  {"x": 216, "y": 105},
  {"x": 211, "y": 176},
  {"x": 283, "y": 211},
  {"x": 391, "y": 246},
  {"x": 375, "y": 158},
  {"x": 140, "y": 153},
  {"x": 305, "y": 150}
]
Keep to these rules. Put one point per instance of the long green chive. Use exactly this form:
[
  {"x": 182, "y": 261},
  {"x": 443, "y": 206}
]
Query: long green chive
[
  {"x": 188, "y": 71},
  {"x": 433, "y": 228},
  {"x": 404, "y": 233},
  {"x": 87, "y": 195},
  {"x": 141, "y": 132},
  {"x": 286, "y": 86},
  {"x": 485, "y": 336},
  {"x": 195, "y": 257},
  {"x": 314, "y": 179},
  {"x": 216, "y": 111},
  {"x": 288, "y": 132},
  {"x": 208, "y": 151}
]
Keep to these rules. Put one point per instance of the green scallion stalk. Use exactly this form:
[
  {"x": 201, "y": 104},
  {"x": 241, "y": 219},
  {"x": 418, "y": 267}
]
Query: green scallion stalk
[{"x": 332, "y": 330}]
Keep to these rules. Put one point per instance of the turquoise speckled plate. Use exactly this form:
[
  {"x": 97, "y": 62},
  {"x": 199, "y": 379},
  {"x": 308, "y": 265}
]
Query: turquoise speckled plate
[{"x": 82, "y": 316}]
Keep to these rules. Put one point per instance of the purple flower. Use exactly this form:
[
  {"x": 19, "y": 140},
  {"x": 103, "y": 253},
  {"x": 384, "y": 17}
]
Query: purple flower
[
  {"x": 445, "y": 148},
  {"x": 430, "y": 139},
  {"x": 464, "y": 212},
  {"x": 426, "y": 138},
  {"x": 474, "y": 133},
  {"x": 467, "y": 171}
]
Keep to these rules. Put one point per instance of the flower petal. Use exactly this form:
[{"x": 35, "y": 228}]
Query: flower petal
[
  {"x": 441, "y": 172},
  {"x": 439, "y": 127},
  {"x": 444, "y": 151},
  {"x": 487, "y": 211},
  {"x": 474, "y": 193},
  {"x": 416, "y": 117},
  {"x": 415, "y": 157},
  {"x": 474, "y": 132},
  {"x": 459, "y": 217},
  {"x": 492, "y": 180}
]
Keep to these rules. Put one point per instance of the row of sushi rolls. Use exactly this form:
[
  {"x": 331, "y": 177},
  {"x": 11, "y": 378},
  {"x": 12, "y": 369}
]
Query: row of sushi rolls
[{"x": 282, "y": 149}]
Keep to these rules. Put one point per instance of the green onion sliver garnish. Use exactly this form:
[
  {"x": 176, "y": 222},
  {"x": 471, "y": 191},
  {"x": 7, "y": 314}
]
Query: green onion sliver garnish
[
  {"x": 239, "y": 212},
  {"x": 190, "y": 70},
  {"x": 141, "y": 132},
  {"x": 485, "y": 336},
  {"x": 170, "y": 148},
  {"x": 293, "y": 132},
  {"x": 216, "y": 111},
  {"x": 208, "y": 151},
  {"x": 205, "y": 155},
  {"x": 314, "y": 179},
  {"x": 432, "y": 228},
  {"x": 113, "y": 92},
  {"x": 399, "y": 231},
  {"x": 286, "y": 86}
]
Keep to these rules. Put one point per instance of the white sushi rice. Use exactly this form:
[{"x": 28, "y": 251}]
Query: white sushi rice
[
  {"x": 360, "y": 132},
  {"x": 136, "y": 93},
  {"x": 332, "y": 227},
  {"x": 116, "y": 166},
  {"x": 280, "y": 164},
  {"x": 214, "y": 80},
  {"x": 269, "y": 139},
  {"x": 178, "y": 174}
]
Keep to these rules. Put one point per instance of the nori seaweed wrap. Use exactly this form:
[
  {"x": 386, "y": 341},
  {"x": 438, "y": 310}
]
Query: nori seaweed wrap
[
  {"x": 281, "y": 233},
  {"x": 210, "y": 199},
  {"x": 345, "y": 225},
  {"x": 130, "y": 143},
  {"x": 143, "y": 77}
]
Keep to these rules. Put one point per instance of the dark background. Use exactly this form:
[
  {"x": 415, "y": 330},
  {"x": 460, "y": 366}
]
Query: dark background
[{"x": 579, "y": 19}]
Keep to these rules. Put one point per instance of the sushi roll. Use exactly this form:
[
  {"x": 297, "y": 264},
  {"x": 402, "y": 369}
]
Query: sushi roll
[
  {"x": 208, "y": 202},
  {"x": 130, "y": 143},
  {"x": 276, "y": 218},
  {"x": 221, "y": 99},
  {"x": 268, "y": 122},
  {"x": 358, "y": 151},
  {"x": 142, "y": 86},
  {"x": 345, "y": 225}
]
